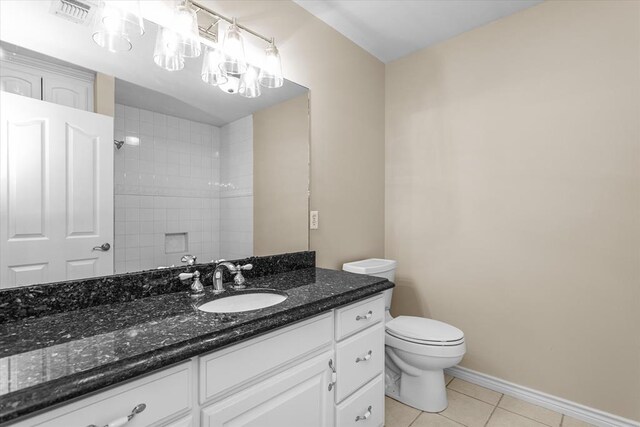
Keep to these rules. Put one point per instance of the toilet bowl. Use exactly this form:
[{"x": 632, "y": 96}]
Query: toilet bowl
[{"x": 417, "y": 349}]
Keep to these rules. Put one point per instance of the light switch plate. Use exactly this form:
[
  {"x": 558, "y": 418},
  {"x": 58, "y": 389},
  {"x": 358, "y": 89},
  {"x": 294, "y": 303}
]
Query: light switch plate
[{"x": 313, "y": 220}]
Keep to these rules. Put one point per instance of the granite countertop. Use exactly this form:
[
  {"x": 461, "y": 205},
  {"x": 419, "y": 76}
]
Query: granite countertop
[{"x": 48, "y": 360}]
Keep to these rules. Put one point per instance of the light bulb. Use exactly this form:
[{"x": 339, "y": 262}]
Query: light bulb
[
  {"x": 166, "y": 53},
  {"x": 211, "y": 72},
  {"x": 271, "y": 71},
  {"x": 249, "y": 85},
  {"x": 233, "y": 50},
  {"x": 186, "y": 28},
  {"x": 117, "y": 22}
]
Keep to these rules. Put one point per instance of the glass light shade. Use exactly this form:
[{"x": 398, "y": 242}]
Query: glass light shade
[
  {"x": 186, "y": 28},
  {"x": 249, "y": 85},
  {"x": 231, "y": 86},
  {"x": 117, "y": 21},
  {"x": 271, "y": 71},
  {"x": 166, "y": 53},
  {"x": 211, "y": 72},
  {"x": 233, "y": 50}
]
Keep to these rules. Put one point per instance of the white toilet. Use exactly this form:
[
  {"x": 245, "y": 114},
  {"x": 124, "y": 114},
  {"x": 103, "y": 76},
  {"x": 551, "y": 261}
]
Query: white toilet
[{"x": 417, "y": 349}]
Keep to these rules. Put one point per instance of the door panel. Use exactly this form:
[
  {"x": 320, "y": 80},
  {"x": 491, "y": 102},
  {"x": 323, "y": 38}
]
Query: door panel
[
  {"x": 67, "y": 91},
  {"x": 20, "y": 80},
  {"x": 298, "y": 396},
  {"x": 82, "y": 177},
  {"x": 26, "y": 150},
  {"x": 56, "y": 192}
]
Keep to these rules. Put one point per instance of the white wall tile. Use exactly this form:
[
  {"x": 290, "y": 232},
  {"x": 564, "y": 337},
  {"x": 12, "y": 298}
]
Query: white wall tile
[{"x": 184, "y": 177}]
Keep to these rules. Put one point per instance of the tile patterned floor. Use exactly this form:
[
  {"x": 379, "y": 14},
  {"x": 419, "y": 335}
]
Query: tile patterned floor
[{"x": 473, "y": 406}]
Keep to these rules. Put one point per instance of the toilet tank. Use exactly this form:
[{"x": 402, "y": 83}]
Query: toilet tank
[{"x": 375, "y": 267}]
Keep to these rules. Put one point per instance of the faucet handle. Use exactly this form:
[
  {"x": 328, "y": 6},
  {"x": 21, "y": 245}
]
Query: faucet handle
[
  {"x": 239, "y": 279},
  {"x": 185, "y": 276},
  {"x": 196, "y": 287}
]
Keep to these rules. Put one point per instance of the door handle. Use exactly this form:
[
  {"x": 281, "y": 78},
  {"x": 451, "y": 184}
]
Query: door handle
[{"x": 104, "y": 247}]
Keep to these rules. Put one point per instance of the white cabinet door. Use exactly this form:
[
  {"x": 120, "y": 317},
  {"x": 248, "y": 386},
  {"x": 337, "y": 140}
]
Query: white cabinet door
[
  {"x": 56, "y": 192},
  {"x": 296, "y": 397},
  {"x": 20, "y": 80},
  {"x": 74, "y": 93}
]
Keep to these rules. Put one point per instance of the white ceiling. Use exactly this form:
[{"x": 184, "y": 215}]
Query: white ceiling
[
  {"x": 391, "y": 29},
  {"x": 29, "y": 25}
]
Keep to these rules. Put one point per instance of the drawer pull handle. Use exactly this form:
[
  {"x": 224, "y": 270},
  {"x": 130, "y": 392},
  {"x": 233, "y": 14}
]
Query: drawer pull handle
[
  {"x": 365, "y": 316},
  {"x": 122, "y": 421},
  {"x": 334, "y": 375},
  {"x": 365, "y": 358},
  {"x": 365, "y": 416}
]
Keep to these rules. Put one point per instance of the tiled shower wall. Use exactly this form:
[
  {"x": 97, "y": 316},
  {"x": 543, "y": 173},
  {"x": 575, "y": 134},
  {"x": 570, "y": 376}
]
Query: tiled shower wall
[
  {"x": 168, "y": 189},
  {"x": 236, "y": 191}
]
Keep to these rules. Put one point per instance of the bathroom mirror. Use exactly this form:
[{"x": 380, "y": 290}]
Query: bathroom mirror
[{"x": 111, "y": 164}]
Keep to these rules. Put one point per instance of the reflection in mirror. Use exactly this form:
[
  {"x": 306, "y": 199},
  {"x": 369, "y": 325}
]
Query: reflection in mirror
[{"x": 111, "y": 164}]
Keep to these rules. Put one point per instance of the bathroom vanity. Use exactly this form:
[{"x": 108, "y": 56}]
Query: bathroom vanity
[{"x": 316, "y": 359}]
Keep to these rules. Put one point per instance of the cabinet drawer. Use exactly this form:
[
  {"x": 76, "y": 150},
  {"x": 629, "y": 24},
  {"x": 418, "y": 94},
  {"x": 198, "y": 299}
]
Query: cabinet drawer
[
  {"x": 367, "y": 402},
  {"x": 166, "y": 394},
  {"x": 358, "y": 316},
  {"x": 358, "y": 359},
  {"x": 240, "y": 364}
]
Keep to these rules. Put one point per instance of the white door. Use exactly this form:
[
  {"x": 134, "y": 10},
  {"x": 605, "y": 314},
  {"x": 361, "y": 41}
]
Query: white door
[
  {"x": 56, "y": 192},
  {"x": 296, "y": 397}
]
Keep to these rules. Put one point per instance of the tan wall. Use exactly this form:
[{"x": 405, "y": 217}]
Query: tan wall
[
  {"x": 347, "y": 125},
  {"x": 104, "y": 94},
  {"x": 281, "y": 177},
  {"x": 513, "y": 196}
]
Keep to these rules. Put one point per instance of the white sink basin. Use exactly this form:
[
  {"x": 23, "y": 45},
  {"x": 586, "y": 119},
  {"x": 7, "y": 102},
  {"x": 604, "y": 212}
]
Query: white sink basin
[{"x": 243, "y": 302}]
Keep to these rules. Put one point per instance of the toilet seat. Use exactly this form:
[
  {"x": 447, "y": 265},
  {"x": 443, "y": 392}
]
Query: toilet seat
[{"x": 423, "y": 331}]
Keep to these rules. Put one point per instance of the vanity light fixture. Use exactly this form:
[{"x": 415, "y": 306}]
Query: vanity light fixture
[
  {"x": 233, "y": 61},
  {"x": 224, "y": 64},
  {"x": 115, "y": 25}
]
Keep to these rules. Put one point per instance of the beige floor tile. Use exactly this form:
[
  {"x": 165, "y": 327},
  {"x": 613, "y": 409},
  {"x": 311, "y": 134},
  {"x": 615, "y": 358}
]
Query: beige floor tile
[
  {"x": 447, "y": 378},
  {"x": 534, "y": 412},
  {"x": 502, "y": 418},
  {"x": 572, "y": 422},
  {"x": 434, "y": 420},
  {"x": 476, "y": 391},
  {"x": 397, "y": 414},
  {"x": 467, "y": 410}
]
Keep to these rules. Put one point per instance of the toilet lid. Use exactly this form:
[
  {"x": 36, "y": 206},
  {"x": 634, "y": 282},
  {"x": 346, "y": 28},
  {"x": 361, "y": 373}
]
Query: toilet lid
[{"x": 420, "y": 329}]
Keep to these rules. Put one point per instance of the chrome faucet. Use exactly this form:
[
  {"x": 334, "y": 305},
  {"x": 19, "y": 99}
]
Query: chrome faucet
[
  {"x": 239, "y": 279},
  {"x": 197, "y": 289}
]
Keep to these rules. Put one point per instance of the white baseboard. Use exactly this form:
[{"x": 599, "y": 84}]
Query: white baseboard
[{"x": 572, "y": 409}]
